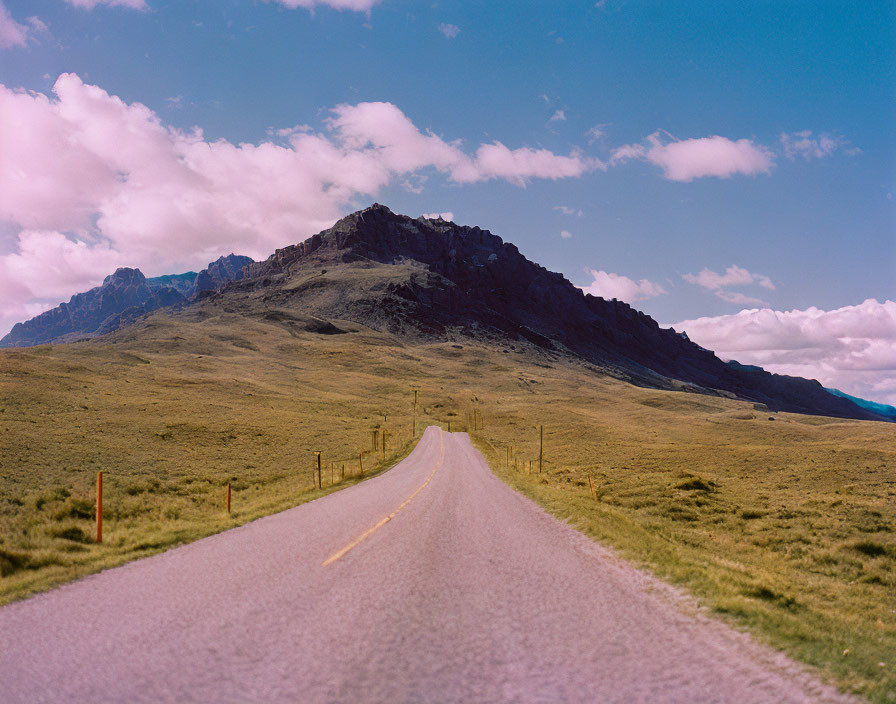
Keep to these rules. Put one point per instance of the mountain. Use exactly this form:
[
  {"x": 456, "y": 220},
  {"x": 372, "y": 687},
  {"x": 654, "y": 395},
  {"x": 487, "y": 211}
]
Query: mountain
[
  {"x": 431, "y": 280},
  {"x": 122, "y": 298},
  {"x": 425, "y": 279},
  {"x": 881, "y": 409}
]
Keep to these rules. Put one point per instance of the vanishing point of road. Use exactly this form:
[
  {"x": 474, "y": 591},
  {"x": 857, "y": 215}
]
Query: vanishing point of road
[{"x": 433, "y": 582}]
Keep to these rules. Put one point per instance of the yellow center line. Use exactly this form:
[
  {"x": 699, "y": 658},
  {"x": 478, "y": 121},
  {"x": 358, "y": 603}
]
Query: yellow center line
[{"x": 335, "y": 556}]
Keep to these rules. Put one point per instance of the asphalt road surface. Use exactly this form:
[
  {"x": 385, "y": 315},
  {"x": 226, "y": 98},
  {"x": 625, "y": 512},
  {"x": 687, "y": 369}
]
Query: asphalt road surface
[{"x": 433, "y": 582}]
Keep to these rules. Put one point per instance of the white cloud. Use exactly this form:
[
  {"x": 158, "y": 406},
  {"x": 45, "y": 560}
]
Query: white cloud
[
  {"x": 687, "y": 159},
  {"x": 448, "y": 216},
  {"x": 851, "y": 348},
  {"x": 90, "y": 4},
  {"x": 105, "y": 182},
  {"x": 608, "y": 285},
  {"x": 803, "y": 144},
  {"x": 449, "y": 30},
  {"x": 566, "y": 210},
  {"x": 12, "y": 33},
  {"x": 565, "y": 234},
  {"x": 558, "y": 116}
]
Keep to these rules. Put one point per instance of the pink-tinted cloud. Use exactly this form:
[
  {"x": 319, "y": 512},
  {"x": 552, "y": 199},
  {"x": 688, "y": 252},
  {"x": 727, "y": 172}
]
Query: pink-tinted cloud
[
  {"x": 734, "y": 275},
  {"x": 37, "y": 24},
  {"x": 353, "y": 5},
  {"x": 851, "y": 348},
  {"x": 12, "y": 33},
  {"x": 124, "y": 188},
  {"x": 449, "y": 30},
  {"x": 566, "y": 210},
  {"x": 385, "y": 131},
  {"x": 804, "y": 144},
  {"x": 447, "y": 216},
  {"x": 73, "y": 266},
  {"x": 90, "y": 4},
  {"x": 687, "y": 159},
  {"x": 608, "y": 285}
]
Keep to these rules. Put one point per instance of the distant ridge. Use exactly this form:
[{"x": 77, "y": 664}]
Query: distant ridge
[
  {"x": 880, "y": 408},
  {"x": 122, "y": 298}
]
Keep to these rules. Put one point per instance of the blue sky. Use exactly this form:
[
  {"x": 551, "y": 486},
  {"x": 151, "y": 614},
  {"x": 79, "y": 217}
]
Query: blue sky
[{"x": 788, "y": 208}]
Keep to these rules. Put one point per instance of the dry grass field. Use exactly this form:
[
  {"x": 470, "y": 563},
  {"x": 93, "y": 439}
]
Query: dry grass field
[{"x": 784, "y": 527}]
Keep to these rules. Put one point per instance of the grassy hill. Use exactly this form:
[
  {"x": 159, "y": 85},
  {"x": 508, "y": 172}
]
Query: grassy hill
[{"x": 786, "y": 527}]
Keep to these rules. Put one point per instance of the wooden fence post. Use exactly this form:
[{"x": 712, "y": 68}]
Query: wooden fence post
[
  {"x": 343, "y": 471},
  {"x": 593, "y": 492},
  {"x": 361, "y": 463},
  {"x": 384, "y": 444},
  {"x": 415, "y": 412},
  {"x": 99, "y": 507},
  {"x": 319, "y": 482},
  {"x": 228, "y": 497},
  {"x": 540, "y": 447}
]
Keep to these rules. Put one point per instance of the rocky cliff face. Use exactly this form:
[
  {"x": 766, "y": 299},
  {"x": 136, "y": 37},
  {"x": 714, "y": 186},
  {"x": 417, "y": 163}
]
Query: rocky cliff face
[
  {"x": 219, "y": 272},
  {"x": 122, "y": 298},
  {"x": 426, "y": 276}
]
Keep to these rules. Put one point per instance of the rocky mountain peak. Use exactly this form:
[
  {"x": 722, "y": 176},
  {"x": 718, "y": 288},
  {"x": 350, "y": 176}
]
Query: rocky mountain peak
[{"x": 125, "y": 276}]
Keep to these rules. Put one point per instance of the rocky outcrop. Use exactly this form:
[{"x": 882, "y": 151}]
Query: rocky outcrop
[
  {"x": 219, "y": 272},
  {"x": 182, "y": 283}
]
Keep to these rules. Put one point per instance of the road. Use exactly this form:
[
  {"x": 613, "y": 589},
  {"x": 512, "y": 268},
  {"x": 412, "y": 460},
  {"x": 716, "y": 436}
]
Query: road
[{"x": 433, "y": 582}]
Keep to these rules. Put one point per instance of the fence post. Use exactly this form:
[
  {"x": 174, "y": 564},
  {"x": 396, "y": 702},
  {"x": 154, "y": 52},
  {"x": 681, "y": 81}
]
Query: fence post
[
  {"x": 228, "y": 497},
  {"x": 415, "y": 412},
  {"x": 99, "y": 507},
  {"x": 384, "y": 444},
  {"x": 319, "y": 482},
  {"x": 593, "y": 492},
  {"x": 361, "y": 463},
  {"x": 540, "y": 447}
]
